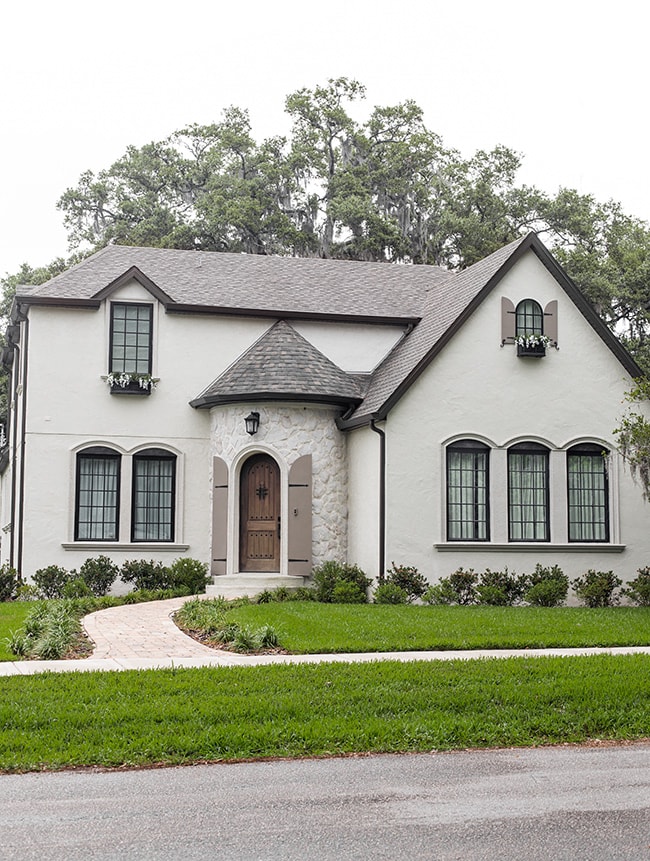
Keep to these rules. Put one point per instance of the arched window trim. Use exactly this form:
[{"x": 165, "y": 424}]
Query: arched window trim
[
  {"x": 528, "y": 493},
  {"x": 468, "y": 490},
  {"x": 529, "y": 318},
  {"x": 588, "y": 493},
  {"x": 97, "y": 494}
]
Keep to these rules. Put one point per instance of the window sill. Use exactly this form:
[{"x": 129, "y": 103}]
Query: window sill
[
  {"x": 525, "y": 546},
  {"x": 160, "y": 546}
]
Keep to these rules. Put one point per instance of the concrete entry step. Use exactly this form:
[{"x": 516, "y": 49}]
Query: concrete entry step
[{"x": 238, "y": 585}]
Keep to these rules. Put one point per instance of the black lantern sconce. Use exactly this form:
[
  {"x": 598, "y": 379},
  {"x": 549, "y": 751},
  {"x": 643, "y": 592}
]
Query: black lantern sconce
[{"x": 252, "y": 421}]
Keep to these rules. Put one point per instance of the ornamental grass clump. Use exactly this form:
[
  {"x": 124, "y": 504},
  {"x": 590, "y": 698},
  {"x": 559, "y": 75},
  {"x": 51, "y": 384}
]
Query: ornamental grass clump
[{"x": 48, "y": 632}]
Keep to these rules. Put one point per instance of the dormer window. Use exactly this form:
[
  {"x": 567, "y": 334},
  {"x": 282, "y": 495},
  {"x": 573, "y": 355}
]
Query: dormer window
[{"x": 131, "y": 338}]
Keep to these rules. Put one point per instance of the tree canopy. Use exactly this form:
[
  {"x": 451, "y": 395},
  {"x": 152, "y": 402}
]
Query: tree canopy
[{"x": 385, "y": 188}]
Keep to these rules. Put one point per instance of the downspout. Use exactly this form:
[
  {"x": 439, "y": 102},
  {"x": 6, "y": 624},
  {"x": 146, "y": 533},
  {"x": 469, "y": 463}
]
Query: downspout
[
  {"x": 13, "y": 386},
  {"x": 382, "y": 499},
  {"x": 21, "y": 490}
]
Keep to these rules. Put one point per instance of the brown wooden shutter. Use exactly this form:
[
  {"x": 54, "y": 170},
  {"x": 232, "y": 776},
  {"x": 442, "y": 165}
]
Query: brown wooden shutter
[
  {"x": 300, "y": 518},
  {"x": 550, "y": 321},
  {"x": 219, "y": 516},
  {"x": 508, "y": 320}
]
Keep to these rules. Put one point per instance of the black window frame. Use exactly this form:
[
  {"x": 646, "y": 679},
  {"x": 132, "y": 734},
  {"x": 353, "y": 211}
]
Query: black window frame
[
  {"x": 153, "y": 455},
  {"x": 119, "y": 365},
  {"x": 529, "y": 320},
  {"x": 598, "y": 455},
  {"x": 477, "y": 451},
  {"x": 106, "y": 454},
  {"x": 532, "y": 449}
]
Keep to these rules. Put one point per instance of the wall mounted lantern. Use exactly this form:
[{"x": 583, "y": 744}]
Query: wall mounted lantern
[{"x": 252, "y": 421}]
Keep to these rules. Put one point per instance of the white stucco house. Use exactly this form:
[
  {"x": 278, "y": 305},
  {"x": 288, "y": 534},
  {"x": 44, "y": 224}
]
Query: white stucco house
[{"x": 266, "y": 414}]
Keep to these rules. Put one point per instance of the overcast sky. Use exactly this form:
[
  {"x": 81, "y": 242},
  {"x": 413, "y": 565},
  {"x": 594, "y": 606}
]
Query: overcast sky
[{"x": 565, "y": 83}]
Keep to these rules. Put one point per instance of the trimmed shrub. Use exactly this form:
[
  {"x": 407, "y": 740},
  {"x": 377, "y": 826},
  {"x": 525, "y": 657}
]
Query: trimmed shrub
[
  {"x": 407, "y": 578},
  {"x": 100, "y": 573},
  {"x": 501, "y": 588},
  {"x": 51, "y": 580},
  {"x": 190, "y": 573},
  {"x": 146, "y": 575},
  {"x": 390, "y": 593},
  {"x": 76, "y": 587},
  {"x": 9, "y": 582},
  {"x": 440, "y": 593},
  {"x": 548, "y": 587},
  {"x": 638, "y": 590},
  {"x": 348, "y": 592},
  {"x": 458, "y": 588},
  {"x": 597, "y": 588},
  {"x": 328, "y": 575}
]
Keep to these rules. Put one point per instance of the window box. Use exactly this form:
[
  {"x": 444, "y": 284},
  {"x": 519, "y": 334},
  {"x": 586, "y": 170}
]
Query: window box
[
  {"x": 533, "y": 345},
  {"x": 535, "y": 351},
  {"x": 130, "y": 384}
]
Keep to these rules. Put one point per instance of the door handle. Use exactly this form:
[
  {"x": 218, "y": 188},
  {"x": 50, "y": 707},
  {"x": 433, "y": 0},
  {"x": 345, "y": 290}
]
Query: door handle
[{"x": 279, "y": 531}]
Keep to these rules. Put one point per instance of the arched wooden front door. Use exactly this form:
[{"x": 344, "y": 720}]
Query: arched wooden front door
[{"x": 259, "y": 515}]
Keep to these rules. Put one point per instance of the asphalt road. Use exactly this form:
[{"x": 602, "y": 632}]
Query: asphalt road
[{"x": 582, "y": 804}]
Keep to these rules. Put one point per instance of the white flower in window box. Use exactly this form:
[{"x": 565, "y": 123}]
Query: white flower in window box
[
  {"x": 532, "y": 345},
  {"x": 130, "y": 383}
]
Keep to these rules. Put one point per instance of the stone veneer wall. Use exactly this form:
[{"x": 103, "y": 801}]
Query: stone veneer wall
[{"x": 292, "y": 431}]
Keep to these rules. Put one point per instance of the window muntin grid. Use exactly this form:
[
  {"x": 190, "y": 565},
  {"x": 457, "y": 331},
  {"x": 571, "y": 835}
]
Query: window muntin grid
[
  {"x": 588, "y": 494},
  {"x": 98, "y": 495},
  {"x": 529, "y": 319},
  {"x": 528, "y": 501},
  {"x": 154, "y": 491},
  {"x": 131, "y": 338},
  {"x": 467, "y": 492}
]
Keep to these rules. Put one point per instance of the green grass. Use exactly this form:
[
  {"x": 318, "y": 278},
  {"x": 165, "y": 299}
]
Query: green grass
[
  {"x": 12, "y": 616},
  {"x": 309, "y": 627},
  {"x": 53, "y": 721}
]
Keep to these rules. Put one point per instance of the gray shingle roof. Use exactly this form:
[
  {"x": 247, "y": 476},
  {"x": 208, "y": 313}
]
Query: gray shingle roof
[
  {"x": 282, "y": 285},
  {"x": 443, "y": 306},
  {"x": 282, "y": 364}
]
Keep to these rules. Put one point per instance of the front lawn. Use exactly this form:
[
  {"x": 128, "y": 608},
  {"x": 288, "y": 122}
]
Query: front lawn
[
  {"x": 191, "y": 715},
  {"x": 310, "y": 627},
  {"x": 12, "y": 616}
]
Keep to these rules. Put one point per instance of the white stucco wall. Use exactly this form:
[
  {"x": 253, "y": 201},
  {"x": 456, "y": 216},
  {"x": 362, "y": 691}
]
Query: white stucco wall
[
  {"x": 287, "y": 432},
  {"x": 363, "y": 479},
  {"x": 354, "y": 347},
  {"x": 476, "y": 388}
]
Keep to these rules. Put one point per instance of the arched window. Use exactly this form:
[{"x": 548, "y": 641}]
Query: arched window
[
  {"x": 97, "y": 499},
  {"x": 529, "y": 319},
  {"x": 588, "y": 493},
  {"x": 467, "y": 491},
  {"x": 154, "y": 495},
  {"x": 528, "y": 501}
]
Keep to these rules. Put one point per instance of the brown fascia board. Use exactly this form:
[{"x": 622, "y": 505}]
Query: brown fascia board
[
  {"x": 225, "y": 310},
  {"x": 219, "y": 400},
  {"x": 58, "y": 302},
  {"x": 138, "y": 275},
  {"x": 531, "y": 242}
]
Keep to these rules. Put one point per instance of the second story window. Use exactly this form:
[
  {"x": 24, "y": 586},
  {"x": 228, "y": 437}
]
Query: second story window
[
  {"x": 529, "y": 319},
  {"x": 131, "y": 339}
]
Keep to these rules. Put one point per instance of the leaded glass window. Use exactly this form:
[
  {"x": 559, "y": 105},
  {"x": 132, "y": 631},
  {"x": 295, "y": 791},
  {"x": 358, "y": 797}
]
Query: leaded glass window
[
  {"x": 98, "y": 494},
  {"x": 528, "y": 506},
  {"x": 588, "y": 494},
  {"x": 529, "y": 319},
  {"x": 154, "y": 490},
  {"x": 131, "y": 339},
  {"x": 467, "y": 492}
]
